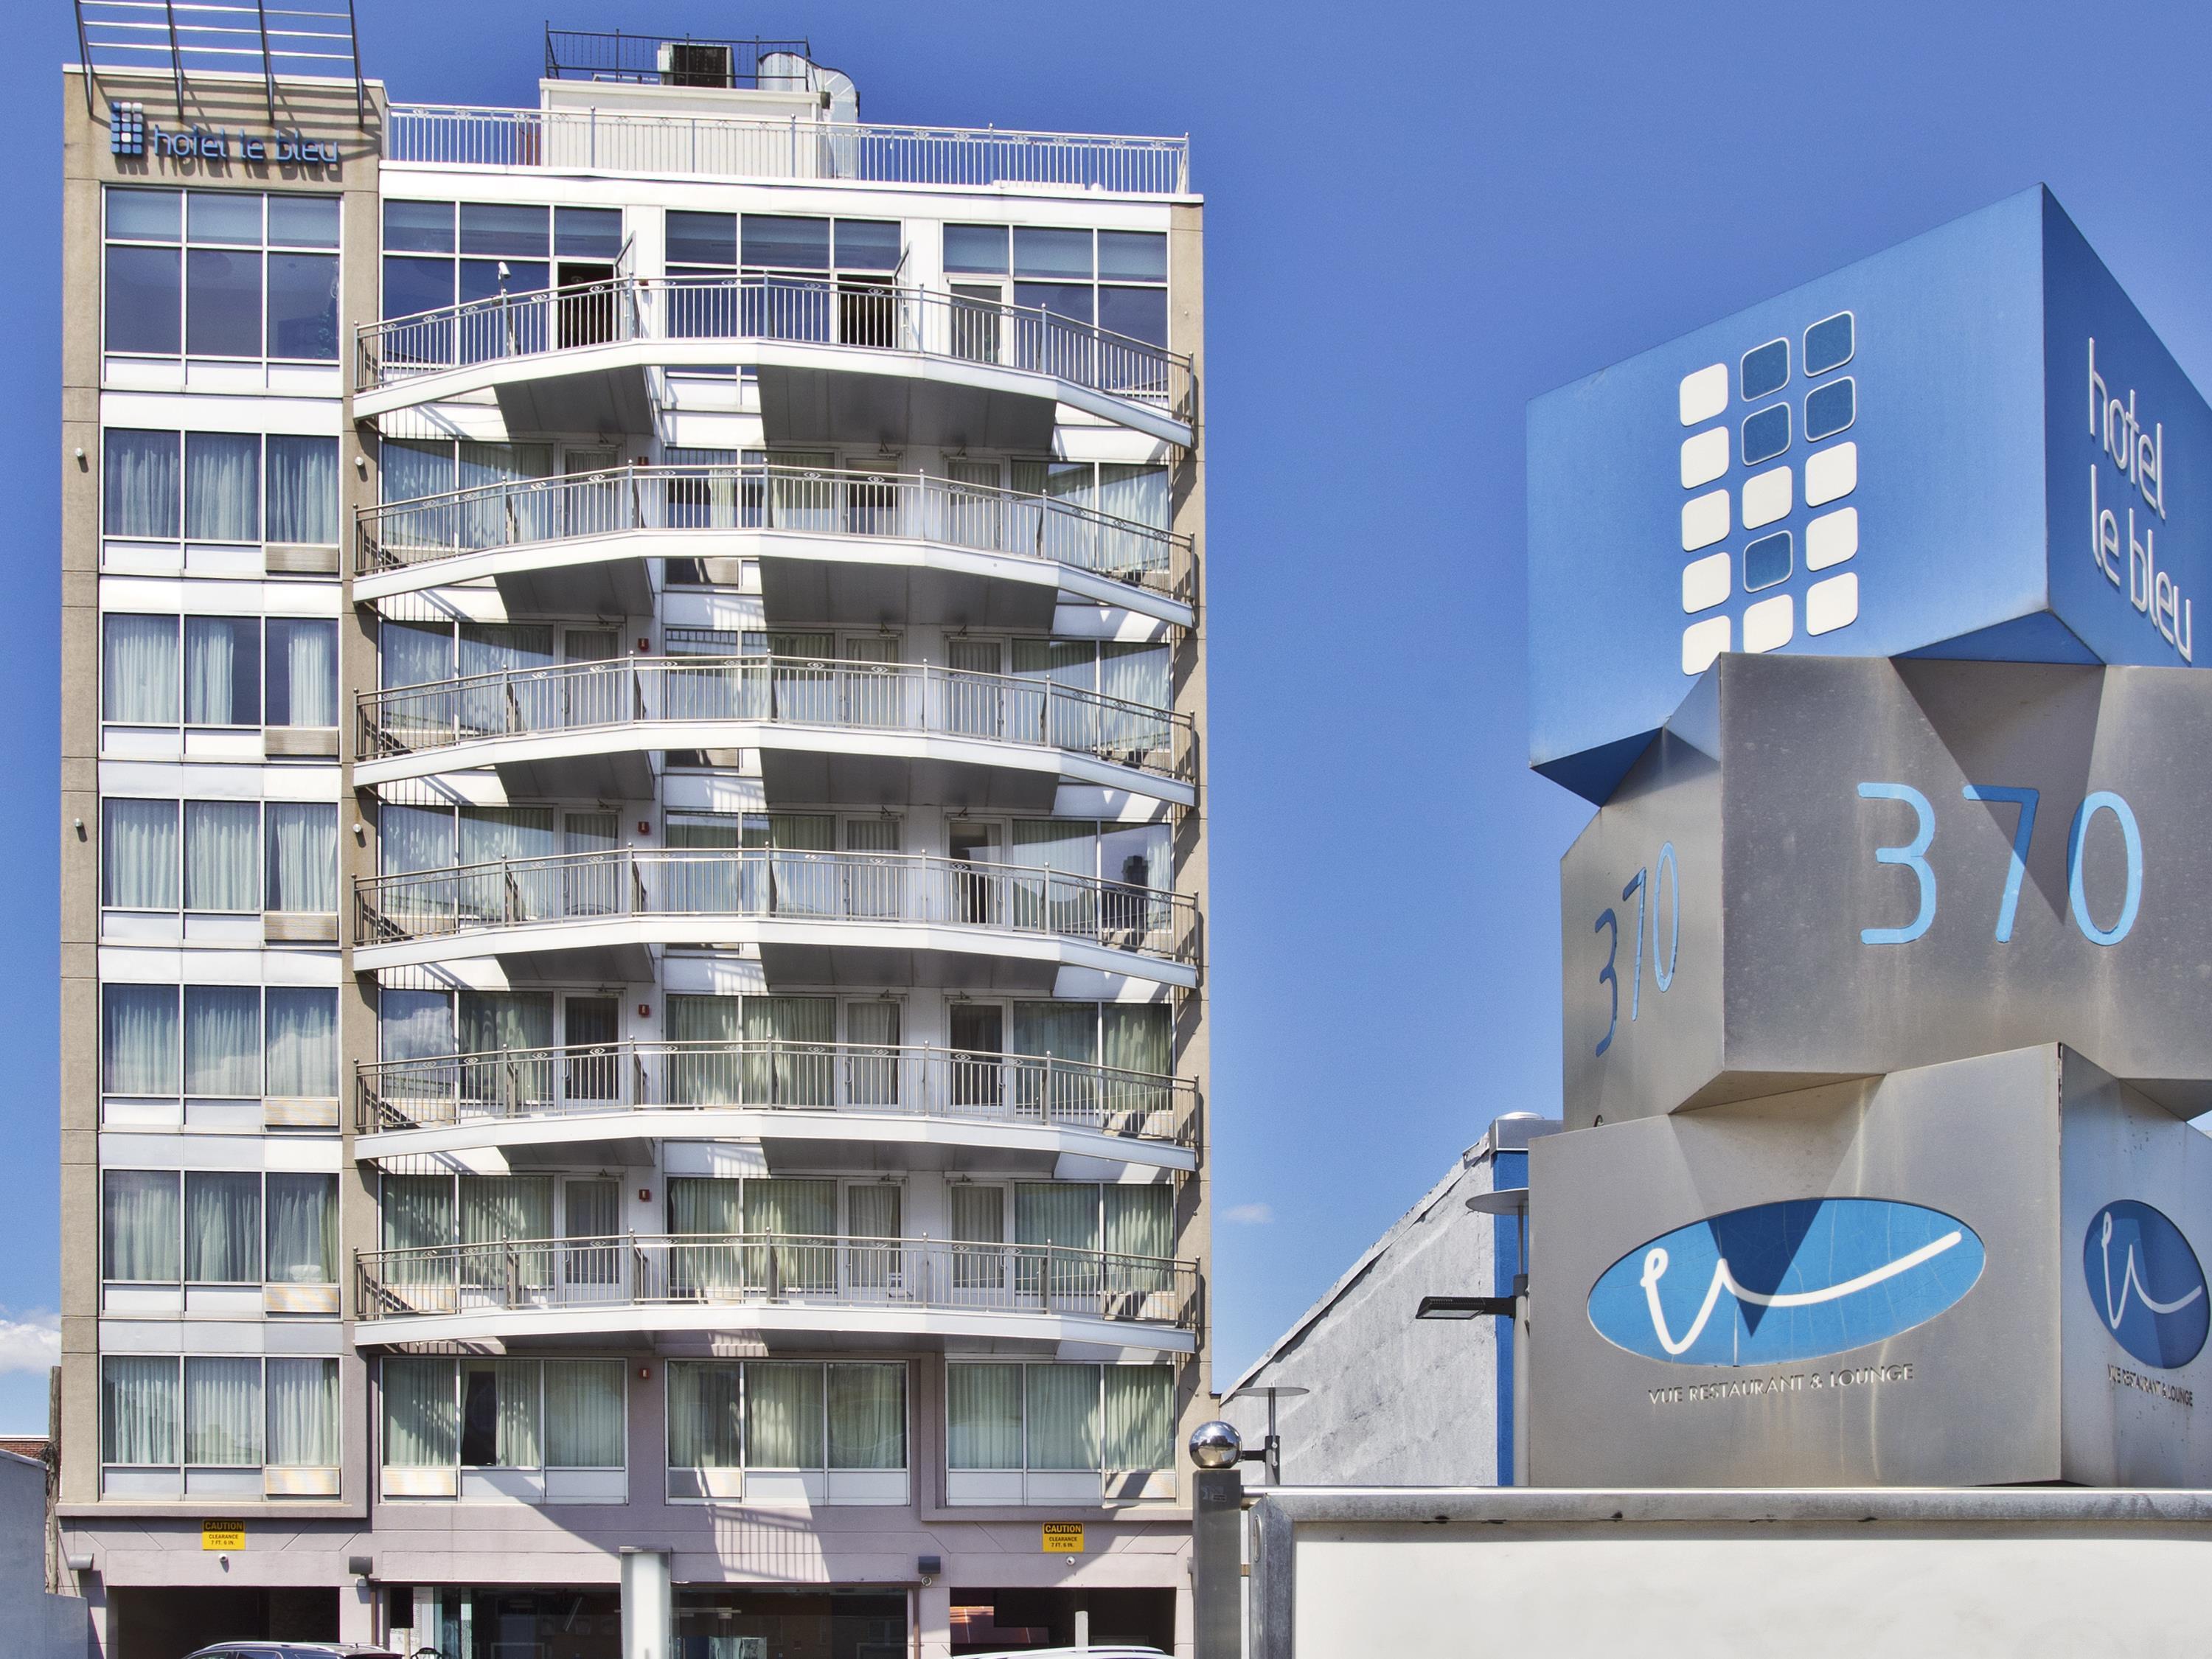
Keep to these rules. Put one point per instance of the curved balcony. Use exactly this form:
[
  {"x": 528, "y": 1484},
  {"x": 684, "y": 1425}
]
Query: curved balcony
[
  {"x": 835, "y": 361},
  {"x": 815, "y": 1106},
  {"x": 843, "y": 547},
  {"x": 872, "y": 919},
  {"x": 829, "y": 733},
  {"x": 779, "y": 1285}
]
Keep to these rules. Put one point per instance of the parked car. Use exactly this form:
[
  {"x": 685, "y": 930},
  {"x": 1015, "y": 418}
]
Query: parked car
[
  {"x": 1095, "y": 1650},
  {"x": 258, "y": 1648}
]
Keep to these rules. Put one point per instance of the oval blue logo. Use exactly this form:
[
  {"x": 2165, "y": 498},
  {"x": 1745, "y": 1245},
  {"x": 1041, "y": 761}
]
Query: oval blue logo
[
  {"x": 2147, "y": 1283},
  {"x": 1787, "y": 1281}
]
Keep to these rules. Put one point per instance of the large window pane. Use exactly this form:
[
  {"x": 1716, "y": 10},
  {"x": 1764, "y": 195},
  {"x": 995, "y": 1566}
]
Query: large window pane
[
  {"x": 138, "y": 1410},
  {"x": 1062, "y": 1403},
  {"x": 867, "y": 1416},
  {"x": 222, "y": 487},
  {"x": 222, "y": 1412},
  {"x": 422, "y": 1424},
  {"x": 222, "y": 855},
  {"x": 222, "y": 1227},
  {"x": 302, "y": 221},
  {"x": 499, "y": 1425},
  {"x": 223, "y": 670},
  {"x": 1039, "y": 251},
  {"x": 303, "y": 489},
  {"x": 302, "y": 1229},
  {"x": 1141, "y": 313},
  {"x": 138, "y": 1039},
  {"x": 222, "y": 1040},
  {"x": 303, "y": 671},
  {"x": 302, "y": 1042},
  {"x": 138, "y": 1226},
  {"x": 417, "y": 285},
  {"x": 703, "y": 1419},
  {"x": 786, "y": 243},
  {"x": 303, "y": 306},
  {"x": 1134, "y": 255},
  {"x": 147, "y": 216},
  {"x": 1140, "y": 1416},
  {"x": 217, "y": 215},
  {"x": 503, "y": 229},
  {"x": 418, "y": 227},
  {"x": 703, "y": 239},
  {"x": 783, "y": 1415},
  {"x": 983, "y": 1417},
  {"x": 138, "y": 854},
  {"x": 139, "y": 483},
  {"x": 978, "y": 248},
  {"x": 867, "y": 245},
  {"x": 303, "y": 856},
  {"x": 582, "y": 232},
  {"x": 143, "y": 310},
  {"x": 303, "y": 1413},
  {"x": 584, "y": 1413},
  {"x": 138, "y": 679},
  {"x": 417, "y": 1211},
  {"x": 222, "y": 303}
]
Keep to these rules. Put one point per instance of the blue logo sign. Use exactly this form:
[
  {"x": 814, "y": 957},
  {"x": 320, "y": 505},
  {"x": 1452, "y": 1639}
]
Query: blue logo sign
[
  {"x": 126, "y": 128},
  {"x": 1782, "y": 1282},
  {"x": 2146, "y": 1283}
]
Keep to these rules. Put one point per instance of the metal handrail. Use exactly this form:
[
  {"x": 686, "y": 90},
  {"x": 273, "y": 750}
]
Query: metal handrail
[
  {"x": 623, "y": 692},
  {"x": 845, "y": 315},
  {"x": 639, "y": 1270},
  {"x": 874, "y": 888},
  {"x": 911, "y": 1080},
  {"x": 622, "y": 141},
  {"x": 814, "y": 502}
]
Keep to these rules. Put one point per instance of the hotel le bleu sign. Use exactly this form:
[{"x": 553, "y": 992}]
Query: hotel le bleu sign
[{"x": 129, "y": 133}]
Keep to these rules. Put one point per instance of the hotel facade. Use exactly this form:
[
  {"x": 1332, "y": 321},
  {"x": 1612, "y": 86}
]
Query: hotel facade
[{"x": 634, "y": 861}]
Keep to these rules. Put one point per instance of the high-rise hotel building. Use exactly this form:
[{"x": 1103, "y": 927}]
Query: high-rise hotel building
[{"x": 634, "y": 859}]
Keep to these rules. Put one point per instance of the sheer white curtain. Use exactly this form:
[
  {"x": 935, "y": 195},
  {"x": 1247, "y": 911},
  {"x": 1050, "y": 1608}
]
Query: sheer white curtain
[
  {"x": 867, "y": 1416},
  {"x": 783, "y": 1415},
  {"x": 138, "y": 854},
  {"x": 410, "y": 838},
  {"x": 413, "y": 654},
  {"x": 499, "y": 1423},
  {"x": 223, "y": 486},
  {"x": 303, "y": 1413},
  {"x": 584, "y": 1413},
  {"x": 303, "y": 489},
  {"x": 1061, "y": 1213},
  {"x": 983, "y": 1417},
  {"x": 138, "y": 1410},
  {"x": 222, "y": 1040},
  {"x": 1061, "y": 1405},
  {"x": 138, "y": 670},
  {"x": 222, "y": 855},
  {"x": 138, "y": 1226},
  {"x": 223, "y": 670},
  {"x": 422, "y": 1421},
  {"x": 138, "y": 472},
  {"x": 222, "y": 1412},
  {"x": 302, "y": 1229},
  {"x": 138, "y": 1039},
  {"x": 303, "y": 671},
  {"x": 703, "y": 1415},
  {"x": 303, "y": 856},
  {"x": 1140, "y": 1416},
  {"x": 222, "y": 1227},
  {"x": 302, "y": 1042}
]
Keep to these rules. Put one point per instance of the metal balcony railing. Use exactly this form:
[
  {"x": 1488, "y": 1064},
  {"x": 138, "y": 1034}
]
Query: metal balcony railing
[
  {"x": 871, "y": 888},
  {"x": 850, "y": 696},
  {"x": 615, "y": 142},
  {"x": 644, "y": 1271},
  {"x": 505, "y": 1085},
  {"x": 862, "y": 316},
  {"x": 525, "y": 512}
]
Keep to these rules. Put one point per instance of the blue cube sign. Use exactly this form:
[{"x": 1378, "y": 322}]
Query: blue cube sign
[{"x": 1971, "y": 446}]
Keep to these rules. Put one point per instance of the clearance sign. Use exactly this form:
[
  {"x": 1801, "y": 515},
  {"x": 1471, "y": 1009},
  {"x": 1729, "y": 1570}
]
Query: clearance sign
[{"x": 1063, "y": 1538}]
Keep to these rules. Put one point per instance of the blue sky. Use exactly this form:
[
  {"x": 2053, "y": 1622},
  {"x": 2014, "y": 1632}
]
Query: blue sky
[{"x": 1415, "y": 224}]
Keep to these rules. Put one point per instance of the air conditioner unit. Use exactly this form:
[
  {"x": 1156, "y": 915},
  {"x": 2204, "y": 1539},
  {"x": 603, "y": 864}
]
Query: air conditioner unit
[{"x": 695, "y": 64}]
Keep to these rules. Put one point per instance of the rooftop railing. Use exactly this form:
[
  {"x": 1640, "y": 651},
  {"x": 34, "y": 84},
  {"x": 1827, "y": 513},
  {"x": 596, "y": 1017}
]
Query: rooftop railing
[
  {"x": 522, "y": 512},
  {"x": 624, "y": 692},
  {"x": 720, "y": 146},
  {"x": 861, "y": 317},
  {"x": 758, "y": 1269},
  {"x": 764, "y": 882},
  {"x": 914, "y": 1080}
]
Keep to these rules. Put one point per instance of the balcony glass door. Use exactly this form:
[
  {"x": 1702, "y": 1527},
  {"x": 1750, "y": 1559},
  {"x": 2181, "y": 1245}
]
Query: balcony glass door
[
  {"x": 591, "y": 1262},
  {"x": 978, "y": 1050},
  {"x": 592, "y": 1073},
  {"x": 595, "y": 885}
]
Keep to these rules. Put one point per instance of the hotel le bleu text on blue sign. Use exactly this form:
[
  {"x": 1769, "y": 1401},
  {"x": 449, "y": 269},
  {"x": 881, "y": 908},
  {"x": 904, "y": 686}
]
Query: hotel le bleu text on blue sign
[{"x": 1970, "y": 445}]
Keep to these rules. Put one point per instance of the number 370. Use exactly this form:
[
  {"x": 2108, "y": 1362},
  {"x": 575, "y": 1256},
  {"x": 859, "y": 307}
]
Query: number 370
[
  {"x": 1668, "y": 875},
  {"x": 1912, "y": 856}
]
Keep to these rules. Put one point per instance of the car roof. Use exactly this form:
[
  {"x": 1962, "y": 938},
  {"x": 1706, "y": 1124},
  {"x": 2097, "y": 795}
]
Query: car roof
[{"x": 272, "y": 1649}]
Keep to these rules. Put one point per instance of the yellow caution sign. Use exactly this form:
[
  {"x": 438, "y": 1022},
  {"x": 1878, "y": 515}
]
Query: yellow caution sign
[
  {"x": 1063, "y": 1538},
  {"x": 223, "y": 1535}
]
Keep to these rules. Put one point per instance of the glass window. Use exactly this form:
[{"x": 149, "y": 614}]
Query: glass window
[
  {"x": 1059, "y": 1417},
  {"x": 223, "y": 670},
  {"x": 139, "y": 1229},
  {"x": 144, "y": 286},
  {"x": 504, "y": 230},
  {"x": 221, "y": 216},
  {"x": 222, "y": 303},
  {"x": 867, "y": 244},
  {"x": 703, "y": 239},
  {"x": 301, "y": 1050},
  {"x": 302, "y": 872},
  {"x": 223, "y": 1411},
  {"x": 223, "y": 486},
  {"x": 1041, "y": 251},
  {"x": 223, "y": 1040},
  {"x": 148, "y": 216},
  {"x": 138, "y": 854},
  {"x": 977, "y": 248},
  {"x": 222, "y": 1227},
  {"x": 786, "y": 243},
  {"x": 302, "y": 1229},
  {"x": 303, "y": 306},
  {"x": 1061, "y": 1404},
  {"x": 501, "y": 1415},
  {"x": 302, "y": 490},
  {"x": 222, "y": 849},
  {"x": 867, "y": 1416},
  {"x": 138, "y": 675},
  {"x": 422, "y": 1420},
  {"x": 983, "y": 1411},
  {"x": 303, "y": 1413},
  {"x": 418, "y": 227},
  {"x": 704, "y": 1415},
  {"x": 139, "y": 483},
  {"x": 138, "y": 1039},
  {"x": 1140, "y": 314},
  {"x": 582, "y": 233},
  {"x": 783, "y": 1415},
  {"x": 1140, "y": 1416},
  {"x": 417, "y": 285},
  {"x": 301, "y": 221},
  {"x": 1137, "y": 255},
  {"x": 138, "y": 1410},
  {"x": 584, "y": 1413}
]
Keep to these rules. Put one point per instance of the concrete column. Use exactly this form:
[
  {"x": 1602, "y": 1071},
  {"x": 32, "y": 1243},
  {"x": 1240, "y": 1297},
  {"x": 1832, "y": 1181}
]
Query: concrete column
[
  {"x": 648, "y": 1605},
  {"x": 357, "y": 1611},
  {"x": 933, "y": 1621}
]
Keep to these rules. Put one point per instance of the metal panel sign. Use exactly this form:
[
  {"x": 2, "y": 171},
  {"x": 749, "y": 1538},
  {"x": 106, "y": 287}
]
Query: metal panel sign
[
  {"x": 1970, "y": 445},
  {"x": 1831, "y": 867},
  {"x": 1952, "y": 1276}
]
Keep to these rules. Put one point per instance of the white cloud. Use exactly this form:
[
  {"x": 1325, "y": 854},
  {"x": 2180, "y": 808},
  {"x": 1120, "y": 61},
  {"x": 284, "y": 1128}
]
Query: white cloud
[
  {"x": 1249, "y": 1215},
  {"x": 30, "y": 1344}
]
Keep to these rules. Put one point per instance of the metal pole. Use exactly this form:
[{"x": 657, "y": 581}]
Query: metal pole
[{"x": 1217, "y": 1564}]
